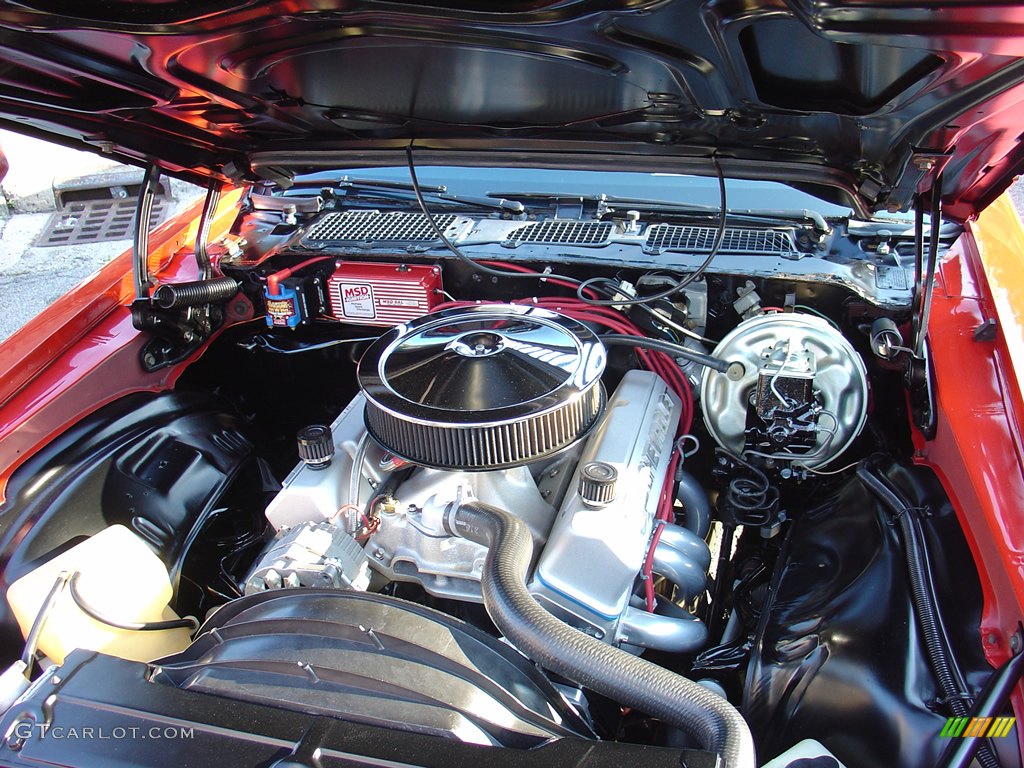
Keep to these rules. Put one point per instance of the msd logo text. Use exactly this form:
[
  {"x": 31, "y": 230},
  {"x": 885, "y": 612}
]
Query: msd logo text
[{"x": 352, "y": 292}]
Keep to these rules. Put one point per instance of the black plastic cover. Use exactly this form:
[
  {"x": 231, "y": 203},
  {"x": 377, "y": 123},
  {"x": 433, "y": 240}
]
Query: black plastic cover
[
  {"x": 373, "y": 659},
  {"x": 157, "y": 464},
  {"x": 100, "y": 711},
  {"x": 838, "y": 656}
]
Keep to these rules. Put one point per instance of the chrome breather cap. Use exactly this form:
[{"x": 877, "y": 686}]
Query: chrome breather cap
[
  {"x": 482, "y": 387},
  {"x": 597, "y": 483},
  {"x": 315, "y": 445}
]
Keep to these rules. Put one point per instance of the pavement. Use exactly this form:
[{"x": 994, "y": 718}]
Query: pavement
[{"x": 31, "y": 278}]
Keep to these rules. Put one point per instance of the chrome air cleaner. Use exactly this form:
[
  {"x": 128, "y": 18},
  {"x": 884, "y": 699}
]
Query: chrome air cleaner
[{"x": 483, "y": 387}]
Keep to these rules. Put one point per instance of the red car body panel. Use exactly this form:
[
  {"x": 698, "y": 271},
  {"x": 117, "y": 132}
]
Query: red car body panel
[
  {"x": 978, "y": 449},
  {"x": 82, "y": 352}
]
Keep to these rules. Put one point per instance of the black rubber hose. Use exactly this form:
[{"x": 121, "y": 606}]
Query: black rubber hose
[
  {"x": 924, "y": 601},
  {"x": 958, "y": 677},
  {"x": 134, "y": 626},
  {"x": 556, "y": 646},
  {"x": 734, "y": 369},
  {"x": 696, "y": 503},
  {"x": 718, "y": 616},
  {"x": 992, "y": 702},
  {"x": 28, "y": 656}
]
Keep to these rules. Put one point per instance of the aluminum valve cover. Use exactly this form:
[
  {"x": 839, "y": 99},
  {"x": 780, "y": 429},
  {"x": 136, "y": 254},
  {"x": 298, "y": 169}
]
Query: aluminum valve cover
[
  {"x": 485, "y": 387},
  {"x": 586, "y": 572}
]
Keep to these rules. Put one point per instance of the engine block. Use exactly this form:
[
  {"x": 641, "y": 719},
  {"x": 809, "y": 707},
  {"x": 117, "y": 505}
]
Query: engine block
[{"x": 588, "y": 494}]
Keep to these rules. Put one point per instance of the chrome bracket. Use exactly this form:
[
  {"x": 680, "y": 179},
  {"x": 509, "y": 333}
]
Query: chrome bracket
[
  {"x": 140, "y": 241},
  {"x": 925, "y": 265},
  {"x": 203, "y": 233}
]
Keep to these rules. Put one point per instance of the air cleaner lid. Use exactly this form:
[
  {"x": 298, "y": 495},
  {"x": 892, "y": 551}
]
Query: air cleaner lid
[{"x": 482, "y": 387}]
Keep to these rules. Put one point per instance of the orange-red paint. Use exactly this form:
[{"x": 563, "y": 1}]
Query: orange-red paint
[
  {"x": 82, "y": 352},
  {"x": 978, "y": 451}
]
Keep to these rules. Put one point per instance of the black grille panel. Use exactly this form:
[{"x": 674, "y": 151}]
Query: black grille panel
[
  {"x": 376, "y": 227},
  {"x": 92, "y": 221},
  {"x": 563, "y": 233},
  {"x": 672, "y": 237}
]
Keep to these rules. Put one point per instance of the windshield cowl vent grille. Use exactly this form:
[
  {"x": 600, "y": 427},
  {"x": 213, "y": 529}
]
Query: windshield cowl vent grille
[
  {"x": 691, "y": 239},
  {"x": 377, "y": 227},
  {"x": 558, "y": 232}
]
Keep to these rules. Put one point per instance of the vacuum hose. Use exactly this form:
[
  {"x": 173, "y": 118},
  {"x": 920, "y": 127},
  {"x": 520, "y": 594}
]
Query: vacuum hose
[{"x": 556, "y": 646}]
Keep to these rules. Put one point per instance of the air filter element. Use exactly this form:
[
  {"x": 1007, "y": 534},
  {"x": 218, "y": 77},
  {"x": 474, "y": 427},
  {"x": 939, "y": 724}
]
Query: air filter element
[{"x": 482, "y": 388}]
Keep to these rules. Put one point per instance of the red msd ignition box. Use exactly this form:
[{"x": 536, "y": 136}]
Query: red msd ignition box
[{"x": 383, "y": 294}]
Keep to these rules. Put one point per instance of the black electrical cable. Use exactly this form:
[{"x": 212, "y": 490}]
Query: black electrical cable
[
  {"x": 749, "y": 498},
  {"x": 135, "y": 626},
  {"x": 723, "y": 214},
  {"x": 718, "y": 613},
  {"x": 542, "y": 276},
  {"x": 732, "y": 369},
  {"x": 958, "y": 675},
  {"x": 940, "y": 658},
  {"x": 32, "y": 641},
  {"x": 993, "y": 700}
]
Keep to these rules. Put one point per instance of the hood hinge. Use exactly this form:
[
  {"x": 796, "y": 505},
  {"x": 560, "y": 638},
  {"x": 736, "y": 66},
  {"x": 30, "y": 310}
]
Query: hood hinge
[
  {"x": 179, "y": 317},
  {"x": 140, "y": 240},
  {"x": 925, "y": 264},
  {"x": 919, "y": 377}
]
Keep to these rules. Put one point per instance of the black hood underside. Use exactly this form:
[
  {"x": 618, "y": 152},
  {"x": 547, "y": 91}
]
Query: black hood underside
[{"x": 869, "y": 97}]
